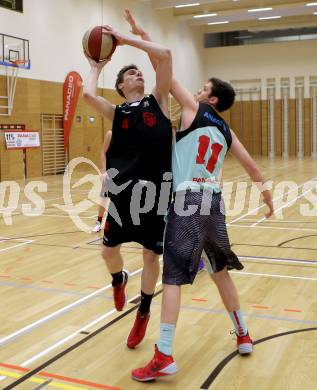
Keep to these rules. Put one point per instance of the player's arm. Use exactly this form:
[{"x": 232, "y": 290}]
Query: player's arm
[
  {"x": 137, "y": 29},
  {"x": 105, "y": 147},
  {"x": 164, "y": 63},
  {"x": 242, "y": 155},
  {"x": 180, "y": 93},
  {"x": 98, "y": 103}
]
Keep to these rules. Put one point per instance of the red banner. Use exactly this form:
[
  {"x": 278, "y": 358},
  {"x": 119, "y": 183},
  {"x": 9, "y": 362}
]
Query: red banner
[{"x": 72, "y": 86}]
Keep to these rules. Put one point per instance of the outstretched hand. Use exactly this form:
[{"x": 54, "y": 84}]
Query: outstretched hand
[{"x": 135, "y": 29}]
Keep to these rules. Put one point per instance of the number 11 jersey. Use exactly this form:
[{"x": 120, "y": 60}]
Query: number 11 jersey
[{"x": 199, "y": 151}]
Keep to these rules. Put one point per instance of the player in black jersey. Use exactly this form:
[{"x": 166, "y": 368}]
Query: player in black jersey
[
  {"x": 187, "y": 236},
  {"x": 140, "y": 151}
]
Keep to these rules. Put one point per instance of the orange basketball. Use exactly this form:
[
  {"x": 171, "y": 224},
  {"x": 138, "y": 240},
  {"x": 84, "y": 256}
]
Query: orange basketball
[{"x": 97, "y": 45}]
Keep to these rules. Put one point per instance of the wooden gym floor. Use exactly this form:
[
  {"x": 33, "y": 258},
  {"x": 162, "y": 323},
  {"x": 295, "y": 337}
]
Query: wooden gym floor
[{"x": 58, "y": 328}]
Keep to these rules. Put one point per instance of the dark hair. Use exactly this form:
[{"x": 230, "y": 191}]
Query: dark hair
[
  {"x": 224, "y": 92},
  {"x": 120, "y": 77}
]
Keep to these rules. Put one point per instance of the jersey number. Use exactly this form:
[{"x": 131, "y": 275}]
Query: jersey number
[{"x": 204, "y": 142}]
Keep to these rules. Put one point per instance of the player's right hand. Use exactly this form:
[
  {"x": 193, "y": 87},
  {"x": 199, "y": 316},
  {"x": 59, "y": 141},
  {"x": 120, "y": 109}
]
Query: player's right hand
[{"x": 94, "y": 64}]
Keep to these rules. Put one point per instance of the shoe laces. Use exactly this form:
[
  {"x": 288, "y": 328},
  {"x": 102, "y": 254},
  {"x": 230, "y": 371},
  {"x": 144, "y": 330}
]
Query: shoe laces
[{"x": 233, "y": 334}]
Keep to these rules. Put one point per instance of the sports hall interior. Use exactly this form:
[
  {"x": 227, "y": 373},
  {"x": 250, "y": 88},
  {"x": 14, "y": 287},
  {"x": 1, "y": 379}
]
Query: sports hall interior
[{"x": 58, "y": 328}]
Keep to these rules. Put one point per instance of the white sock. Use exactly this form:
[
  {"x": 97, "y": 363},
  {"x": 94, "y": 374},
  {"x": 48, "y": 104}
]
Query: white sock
[
  {"x": 165, "y": 343},
  {"x": 238, "y": 322}
]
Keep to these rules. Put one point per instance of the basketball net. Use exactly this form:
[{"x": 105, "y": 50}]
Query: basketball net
[{"x": 11, "y": 73}]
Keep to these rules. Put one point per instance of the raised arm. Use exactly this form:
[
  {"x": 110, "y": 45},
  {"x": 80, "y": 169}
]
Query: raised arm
[
  {"x": 242, "y": 155},
  {"x": 100, "y": 104},
  {"x": 164, "y": 63},
  {"x": 180, "y": 93}
]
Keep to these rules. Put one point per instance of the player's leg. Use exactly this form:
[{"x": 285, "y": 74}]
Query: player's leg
[
  {"x": 101, "y": 210},
  {"x": 151, "y": 236},
  {"x": 98, "y": 225},
  {"x": 220, "y": 258},
  {"x": 182, "y": 251},
  {"x": 114, "y": 236},
  {"x": 150, "y": 273},
  {"x": 230, "y": 298},
  {"x": 114, "y": 263}
]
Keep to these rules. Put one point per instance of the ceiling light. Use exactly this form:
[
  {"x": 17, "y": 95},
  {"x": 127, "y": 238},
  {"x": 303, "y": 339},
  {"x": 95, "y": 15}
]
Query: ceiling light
[
  {"x": 270, "y": 17},
  {"x": 204, "y": 15},
  {"x": 223, "y": 22},
  {"x": 310, "y": 4},
  {"x": 260, "y": 9},
  {"x": 186, "y": 5}
]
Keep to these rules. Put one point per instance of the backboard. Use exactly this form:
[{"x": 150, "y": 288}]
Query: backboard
[{"x": 14, "y": 51}]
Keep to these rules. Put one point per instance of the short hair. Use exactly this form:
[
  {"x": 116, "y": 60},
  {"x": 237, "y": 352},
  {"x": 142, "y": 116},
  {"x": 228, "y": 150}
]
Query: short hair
[
  {"x": 120, "y": 77},
  {"x": 224, "y": 92}
]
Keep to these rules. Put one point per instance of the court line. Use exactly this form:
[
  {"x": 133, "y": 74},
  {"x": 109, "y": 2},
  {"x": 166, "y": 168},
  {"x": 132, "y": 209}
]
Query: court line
[
  {"x": 74, "y": 346},
  {"x": 248, "y": 315},
  {"x": 28, "y": 328},
  {"x": 279, "y": 221},
  {"x": 46, "y": 383},
  {"x": 87, "y": 326},
  {"x": 76, "y": 333},
  {"x": 61, "y": 377},
  {"x": 23, "y": 286},
  {"x": 56, "y": 357},
  {"x": 232, "y": 355},
  {"x": 274, "y": 199},
  {"x": 280, "y": 245},
  {"x": 278, "y": 259},
  {"x": 281, "y": 208},
  {"x": 26, "y": 242},
  {"x": 277, "y": 247},
  {"x": 273, "y": 227},
  {"x": 41, "y": 235},
  {"x": 43, "y": 382},
  {"x": 61, "y": 216},
  {"x": 273, "y": 275}
]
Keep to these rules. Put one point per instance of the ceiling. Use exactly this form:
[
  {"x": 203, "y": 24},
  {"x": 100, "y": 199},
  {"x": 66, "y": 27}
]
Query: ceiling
[{"x": 292, "y": 13}]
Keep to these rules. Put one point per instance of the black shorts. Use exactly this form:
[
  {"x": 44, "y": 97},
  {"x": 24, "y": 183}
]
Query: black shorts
[
  {"x": 187, "y": 236},
  {"x": 149, "y": 232}
]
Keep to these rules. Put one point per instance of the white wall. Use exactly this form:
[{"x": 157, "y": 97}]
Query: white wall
[
  {"x": 276, "y": 60},
  {"x": 55, "y": 29}
]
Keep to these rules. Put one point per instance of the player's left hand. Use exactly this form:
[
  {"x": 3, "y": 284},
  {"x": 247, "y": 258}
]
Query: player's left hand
[{"x": 135, "y": 29}]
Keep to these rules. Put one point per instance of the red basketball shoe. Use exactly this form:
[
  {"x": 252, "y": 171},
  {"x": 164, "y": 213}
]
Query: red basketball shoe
[
  {"x": 120, "y": 296},
  {"x": 160, "y": 365},
  {"x": 244, "y": 344},
  {"x": 139, "y": 328}
]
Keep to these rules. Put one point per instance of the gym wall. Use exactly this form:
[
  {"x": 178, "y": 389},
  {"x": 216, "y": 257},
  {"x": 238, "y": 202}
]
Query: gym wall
[
  {"x": 55, "y": 30},
  {"x": 276, "y": 88},
  {"x": 35, "y": 98}
]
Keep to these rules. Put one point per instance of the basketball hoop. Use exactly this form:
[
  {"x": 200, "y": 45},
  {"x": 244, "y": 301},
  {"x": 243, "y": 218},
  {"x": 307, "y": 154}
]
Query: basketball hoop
[
  {"x": 11, "y": 70},
  {"x": 14, "y": 55},
  {"x": 20, "y": 64}
]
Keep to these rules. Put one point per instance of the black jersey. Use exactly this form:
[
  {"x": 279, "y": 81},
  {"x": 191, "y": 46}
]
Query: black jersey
[{"x": 141, "y": 143}]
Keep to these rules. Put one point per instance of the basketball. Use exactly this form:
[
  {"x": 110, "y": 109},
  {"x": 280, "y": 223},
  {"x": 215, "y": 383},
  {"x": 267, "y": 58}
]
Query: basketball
[{"x": 97, "y": 45}]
